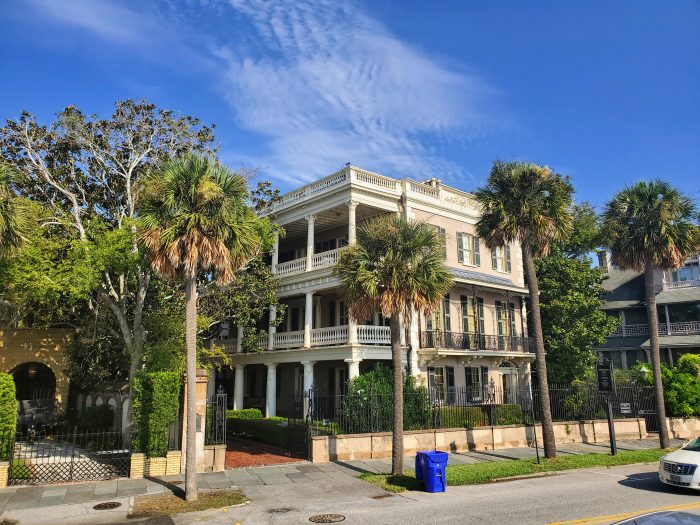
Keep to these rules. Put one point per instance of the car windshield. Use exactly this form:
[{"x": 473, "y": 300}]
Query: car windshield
[{"x": 693, "y": 445}]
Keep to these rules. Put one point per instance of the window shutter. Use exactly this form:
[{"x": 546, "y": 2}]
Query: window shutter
[
  {"x": 450, "y": 384},
  {"x": 511, "y": 312},
  {"x": 443, "y": 238},
  {"x": 431, "y": 378},
  {"x": 477, "y": 254},
  {"x": 460, "y": 247},
  {"x": 508, "y": 264},
  {"x": 494, "y": 258},
  {"x": 485, "y": 380}
]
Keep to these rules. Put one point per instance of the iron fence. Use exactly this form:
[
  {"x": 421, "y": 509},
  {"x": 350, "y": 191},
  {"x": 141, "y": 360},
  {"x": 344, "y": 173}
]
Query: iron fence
[
  {"x": 215, "y": 427},
  {"x": 365, "y": 412},
  {"x": 467, "y": 341}
]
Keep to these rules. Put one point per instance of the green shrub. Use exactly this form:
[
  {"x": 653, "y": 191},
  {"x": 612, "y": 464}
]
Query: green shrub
[
  {"x": 8, "y": 413},
  {"x": 156, "y": 398},
  {"x": 481, "y": 415},
  {"x": 682, "y": 387},
  {"x": 245, "y": 413}
]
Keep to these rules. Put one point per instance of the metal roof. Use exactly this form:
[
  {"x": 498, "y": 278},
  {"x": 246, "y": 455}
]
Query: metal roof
[
  {"x": 679, "y": 295},
  {"x": 482, "y": 277},
  {"x": 676, "y": 340}
]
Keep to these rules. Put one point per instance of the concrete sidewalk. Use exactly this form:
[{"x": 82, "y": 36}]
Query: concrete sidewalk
[{"x": 15, "y": 501}]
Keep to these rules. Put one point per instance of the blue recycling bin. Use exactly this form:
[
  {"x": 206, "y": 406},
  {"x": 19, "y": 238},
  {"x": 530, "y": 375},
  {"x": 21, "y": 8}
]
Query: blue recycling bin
[
  {"x": 433, "y": 470},
  {"x": 419, "y": 463}
]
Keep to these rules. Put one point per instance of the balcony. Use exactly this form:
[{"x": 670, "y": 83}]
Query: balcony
[
  {"x": 684, "y": 328},
  {"x": 320, "y": 337},
  {"x": 674, "y": 285},
  {"x": 318, "y": 261},
  {"x": 475, "y": 342}
]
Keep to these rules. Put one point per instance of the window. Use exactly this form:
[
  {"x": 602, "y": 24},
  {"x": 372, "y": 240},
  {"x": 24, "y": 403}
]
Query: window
[
  {"x": 443, "y": 240},
  {"x": 480, "y": 309},
  {"x": 502, "y": 318},
  {"x": 500, "y": 259},
  {"x": 468, "y": 251},
  {"x": 687, "y": 273},
  {"x": 446, "y": 313},
  {"x": 468, "y": 314},
  {"x": 324, "y": 246},
  {"x": 441, "y": 382},
  {"x": 342, "y": 313},
  {"x": 511, "y": 316},
  {"x": 636, "y": 316},
  {"x": 477, "y": 380}
]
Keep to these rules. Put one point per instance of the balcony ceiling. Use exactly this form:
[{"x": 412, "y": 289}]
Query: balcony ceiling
[{"x": 329, "y": 219}]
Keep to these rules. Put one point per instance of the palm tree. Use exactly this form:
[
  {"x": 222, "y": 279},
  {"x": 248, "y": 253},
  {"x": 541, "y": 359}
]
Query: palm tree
[
  {"x": 651, "y": 226},
  {"x": 13, "y": 216},
  {"x": 529, "y": 204},
  {"x": 196, "y": 224},
  {"x": 394, "y": 268}
]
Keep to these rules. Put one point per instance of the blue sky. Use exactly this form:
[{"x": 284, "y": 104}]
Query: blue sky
[{"x": 606, "y": 92}]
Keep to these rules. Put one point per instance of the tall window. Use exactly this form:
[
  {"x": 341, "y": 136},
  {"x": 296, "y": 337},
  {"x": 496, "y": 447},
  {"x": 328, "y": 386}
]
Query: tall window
[
  {"x": 474, "y": 383},
  {"x": 446, "y": 313},
  {"x": 468, "y": 251},
  {"x": 480, "y": 310},
  {"x": 468, "y": 314},
  {"x": 500, "y": 259},
  {"x": 441, "y": 382},
  {"x": 443, "y": 240},
  {"x": 511, "y": 317},
  {"x": 342, "y": 313}
]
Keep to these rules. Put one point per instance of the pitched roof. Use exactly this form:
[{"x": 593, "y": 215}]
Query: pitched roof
[
  {"x": 621, "y": 343},
  {"x": 679, "y": 295},
  {"x": 624, "y": 289},
  {"x": 676, "y": 340}
]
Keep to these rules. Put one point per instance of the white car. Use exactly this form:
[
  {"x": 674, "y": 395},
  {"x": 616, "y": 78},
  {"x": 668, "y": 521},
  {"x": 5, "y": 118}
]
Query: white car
[{"x": 680, "y": 468}]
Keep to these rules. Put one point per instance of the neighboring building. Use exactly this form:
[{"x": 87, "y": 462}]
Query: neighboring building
[
  {"x": 678, "y": 306},
  {"x": 477, "y": 338}
]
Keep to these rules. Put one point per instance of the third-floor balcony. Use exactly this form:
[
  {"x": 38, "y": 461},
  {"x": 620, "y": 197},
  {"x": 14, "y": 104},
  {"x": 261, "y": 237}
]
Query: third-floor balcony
[
  {"x": 320, "y": 260},
  {"x": 683, "y": 328}
]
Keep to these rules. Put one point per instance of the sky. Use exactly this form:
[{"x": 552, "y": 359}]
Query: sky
[{"x": 605, "y": 92}]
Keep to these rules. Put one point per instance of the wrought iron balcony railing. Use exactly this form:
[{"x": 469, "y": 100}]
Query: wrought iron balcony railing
[{"x": 475, "y": 342}]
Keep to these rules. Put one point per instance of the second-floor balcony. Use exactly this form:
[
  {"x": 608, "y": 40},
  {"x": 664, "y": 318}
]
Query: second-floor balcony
[
  {"x": 683, "y": 328},
  {"x": 475, "y": 342},
  {"x": 319, "y": 260}
]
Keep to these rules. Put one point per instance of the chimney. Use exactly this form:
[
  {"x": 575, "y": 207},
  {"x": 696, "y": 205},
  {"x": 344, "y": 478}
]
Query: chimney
[{"x": 604, "y": 262}]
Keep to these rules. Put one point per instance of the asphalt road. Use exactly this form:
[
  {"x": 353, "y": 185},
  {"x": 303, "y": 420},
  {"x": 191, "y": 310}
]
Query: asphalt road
[{"x": 594, "y": 496}]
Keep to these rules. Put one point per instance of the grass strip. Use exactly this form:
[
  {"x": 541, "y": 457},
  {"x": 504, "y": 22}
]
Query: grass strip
[
  {"x": 486, "y": 472},
  {"x": 169, "y": 504}
]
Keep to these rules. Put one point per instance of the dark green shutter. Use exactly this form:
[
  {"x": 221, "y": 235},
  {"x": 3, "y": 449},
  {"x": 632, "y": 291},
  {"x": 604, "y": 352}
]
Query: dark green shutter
[
  {"x": 508, "y": 263},
  {"x": 494, "y": 259},
  {"x": 477, "y": 253}
]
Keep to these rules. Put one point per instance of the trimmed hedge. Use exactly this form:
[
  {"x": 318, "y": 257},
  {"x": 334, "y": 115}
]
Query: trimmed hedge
[
  {"x": 481, "y": 416},
  {"x": 156, "y": 398},
  {"x": 245, "y": 413},
  {"x": 8, "y": 413}
]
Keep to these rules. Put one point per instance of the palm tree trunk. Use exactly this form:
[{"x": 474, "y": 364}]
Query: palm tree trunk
[
  {"x": 654, "y": 353},
  {"x": 550, "y": 449},
  {"x": 397, "y": 434},
  {"x": 191, "y": 352}
]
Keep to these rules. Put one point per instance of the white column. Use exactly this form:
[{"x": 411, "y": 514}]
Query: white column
[
  {"x": 239, "y": 339},
  {"x": 271, "y": 393},
  {"x": 308, "y": 375},
  {"x": 238, "y": 387},
  {"x": 353, "y": 367},
  {"x": 317, "y": 312},
  {"x": 414, "y": 344},
  {"x": 352, "y": 227},
  {"x": 271, "y": 329},
  {"x": 402, "y": 335},
  {"x": 308, "y": 319},
  {"x": 352, "y": 330},
  {"x": 310, "y": 219},
  {"x": 523, "y": 316},
  {"x": 275, "y": 252}
]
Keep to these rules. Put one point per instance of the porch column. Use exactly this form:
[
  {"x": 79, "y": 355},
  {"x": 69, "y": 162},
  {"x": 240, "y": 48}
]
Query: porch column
[
  {"x": 308, "y": 375},
  {"x": 275, "y": 252},
  {"x": 271, "y": 393},
  {"x": 523, "y": 316},
  {"x": 308, "y": 319},
  {"x": 352, "y": 229},
  {"x": 668, "y": 320},
  {"x": 271, "y": 329},
  {"x": 317, "y": 312},
  {"x": 353, "y": 367},
  {"x": 402, "y": 335},
  {"x": 414, "y": 344},
  {"x": 311, "y": 220},
  {"x": 238, "y": 387},
  {"x": 239, "y": 339},
  {"x": 352, "y": 330}
]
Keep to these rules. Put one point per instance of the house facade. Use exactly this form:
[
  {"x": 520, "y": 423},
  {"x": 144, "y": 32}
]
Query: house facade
[
  {"x": 678, "y": 307},
  {"x": 478, "y": 336}
]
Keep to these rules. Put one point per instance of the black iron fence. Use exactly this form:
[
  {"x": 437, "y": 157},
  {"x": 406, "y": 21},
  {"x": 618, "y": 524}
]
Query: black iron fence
[
  {"x": 467, "y": 341},
  {"x": 45, "y": 457},
  {"x": 215, "y": 428},
  {"x": 365, "y": 412}
]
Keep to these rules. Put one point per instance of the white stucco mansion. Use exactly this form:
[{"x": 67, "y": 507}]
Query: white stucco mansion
[{"x": 477, "y": 337}]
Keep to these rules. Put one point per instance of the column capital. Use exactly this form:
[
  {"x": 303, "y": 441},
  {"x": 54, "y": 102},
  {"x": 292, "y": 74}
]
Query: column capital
[
  {"x": 352, "y": 204},
  {"x": 239, "y": 367},
  {"x": 271, "y": 365},
  {"x": 308, "y": 363},
  {"x": 310, "y": 217},
  {"x": 353, "y": 360}
]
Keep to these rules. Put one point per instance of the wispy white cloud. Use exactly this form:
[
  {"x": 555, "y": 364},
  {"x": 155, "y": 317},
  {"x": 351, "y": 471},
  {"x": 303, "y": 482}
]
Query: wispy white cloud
[{"x": 326, "y": 84}]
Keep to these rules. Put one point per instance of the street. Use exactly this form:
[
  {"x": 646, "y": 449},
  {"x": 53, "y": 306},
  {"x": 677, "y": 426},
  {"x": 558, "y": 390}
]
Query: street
[{"x": 596, "y": 496}]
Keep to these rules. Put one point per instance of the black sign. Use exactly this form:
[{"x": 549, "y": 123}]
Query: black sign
[{"x": 606, "y": 384}]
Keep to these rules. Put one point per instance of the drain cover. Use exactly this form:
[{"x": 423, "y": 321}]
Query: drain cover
[
  {"x": 107, "y": 505},
  {"x": 327, "y": 518}
]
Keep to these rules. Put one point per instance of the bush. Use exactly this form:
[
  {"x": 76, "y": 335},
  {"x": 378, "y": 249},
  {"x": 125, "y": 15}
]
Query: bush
[
  {"x": 682, "y": 387},
  {"x": 156, "y": 398},
  {"x": 245, "y": 413},
  {"x": 481, "y": 415},
  {"x": 8, "y": 413}
]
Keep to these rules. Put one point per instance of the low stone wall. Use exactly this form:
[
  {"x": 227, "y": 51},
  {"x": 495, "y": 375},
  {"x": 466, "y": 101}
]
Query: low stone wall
[
  {"x": 214, "y": 458},
  {"x": 154, "y": 467},
  {"x": 378, "y": 445},
  {"x": 683, "y": 428}
]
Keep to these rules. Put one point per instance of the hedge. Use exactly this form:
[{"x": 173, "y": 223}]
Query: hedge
[
  {"x": 156, "y": 406},
  {"x": 8, "y": 412},
  {"x": 245, "y": 413},
  {"x": 481, "y": 415}
]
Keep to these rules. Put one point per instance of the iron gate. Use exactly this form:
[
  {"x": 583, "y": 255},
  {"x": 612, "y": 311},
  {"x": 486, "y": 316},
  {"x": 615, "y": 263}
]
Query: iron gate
[
  {"x": 215, "y": 426},
  {"x": 38, "y": 458}
]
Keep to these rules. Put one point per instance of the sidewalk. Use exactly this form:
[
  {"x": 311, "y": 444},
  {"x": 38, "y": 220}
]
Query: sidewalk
[{"x": 322, "y": 476}]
